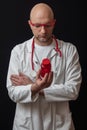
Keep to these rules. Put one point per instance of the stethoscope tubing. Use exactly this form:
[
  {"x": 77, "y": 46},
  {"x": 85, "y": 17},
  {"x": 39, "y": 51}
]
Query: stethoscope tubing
[{"x": 33, "y": 46}]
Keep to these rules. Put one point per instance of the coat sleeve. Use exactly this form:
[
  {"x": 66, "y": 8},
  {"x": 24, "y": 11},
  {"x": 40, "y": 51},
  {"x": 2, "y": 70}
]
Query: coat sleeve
[
  {"x": 21, "y": 94},
  {"x": 69, "y": 88}
]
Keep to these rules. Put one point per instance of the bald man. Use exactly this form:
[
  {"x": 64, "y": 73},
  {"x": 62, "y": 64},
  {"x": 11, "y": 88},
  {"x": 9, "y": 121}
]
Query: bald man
[
  {"x": 42, "y": 102},
  {"x": 42, "y": 14}
]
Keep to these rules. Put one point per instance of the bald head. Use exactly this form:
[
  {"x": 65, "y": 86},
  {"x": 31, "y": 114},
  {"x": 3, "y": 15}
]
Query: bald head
[{"x": 41, "y": 11}]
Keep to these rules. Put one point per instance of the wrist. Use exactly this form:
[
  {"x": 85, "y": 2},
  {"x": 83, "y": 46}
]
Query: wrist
[
  {"x": 34, "y": 89},
  {"x": 41, "y": 93}
]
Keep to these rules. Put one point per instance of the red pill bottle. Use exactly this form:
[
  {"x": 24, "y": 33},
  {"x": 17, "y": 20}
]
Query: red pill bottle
[{"x": 45, "y": 66}]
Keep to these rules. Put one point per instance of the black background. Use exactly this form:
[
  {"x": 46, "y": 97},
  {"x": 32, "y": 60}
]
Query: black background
[{"x": 14, "y": 29}]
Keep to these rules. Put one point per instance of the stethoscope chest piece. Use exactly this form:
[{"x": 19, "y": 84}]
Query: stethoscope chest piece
[{"x": 33, "y": 73}]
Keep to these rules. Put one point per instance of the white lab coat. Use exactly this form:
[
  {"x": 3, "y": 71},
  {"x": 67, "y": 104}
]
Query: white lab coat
[{"x": 51, "y": 112}]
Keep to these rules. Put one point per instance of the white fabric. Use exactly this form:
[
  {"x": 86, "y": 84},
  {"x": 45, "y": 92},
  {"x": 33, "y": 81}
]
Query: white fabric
[
  {"x": 43, "y": 51},
  {"x": 51, "y": 112}
]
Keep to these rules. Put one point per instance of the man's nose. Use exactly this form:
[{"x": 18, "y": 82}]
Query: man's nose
[{"x": 43, "y": 29}]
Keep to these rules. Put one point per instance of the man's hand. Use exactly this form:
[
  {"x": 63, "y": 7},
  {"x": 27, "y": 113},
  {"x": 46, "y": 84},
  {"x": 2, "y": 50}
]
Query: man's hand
[
  {"x": 42, "y": 83},
  {"x": 20, "y": 79},
  {"x": 37, "y": 86}
]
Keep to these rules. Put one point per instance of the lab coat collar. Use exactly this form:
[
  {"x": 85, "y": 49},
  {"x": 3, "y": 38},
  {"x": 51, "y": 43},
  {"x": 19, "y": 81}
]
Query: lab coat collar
[{"x": 29, "y": 45}]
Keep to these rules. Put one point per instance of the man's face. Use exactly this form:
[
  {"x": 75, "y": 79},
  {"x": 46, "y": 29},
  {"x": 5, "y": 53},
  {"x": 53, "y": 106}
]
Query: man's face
[
  {"x": 42, "y": 29},
  {"x": 42, "y": 24}
]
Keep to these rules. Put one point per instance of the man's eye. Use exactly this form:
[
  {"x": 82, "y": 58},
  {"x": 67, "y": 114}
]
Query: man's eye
[
  {"x": 37, "y": 25},
  {"x": 48, "y": 25}
]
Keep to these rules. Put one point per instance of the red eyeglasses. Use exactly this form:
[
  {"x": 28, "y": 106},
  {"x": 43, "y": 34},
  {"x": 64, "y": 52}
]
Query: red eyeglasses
[{"x": 48, "y": 25}]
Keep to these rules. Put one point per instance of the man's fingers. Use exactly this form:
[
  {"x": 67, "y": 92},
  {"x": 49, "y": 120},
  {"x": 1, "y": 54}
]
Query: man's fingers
[
  {"x": 21, "y": 74},
  {"x": 15, "y": 79},
  {"x": 50, "y": 77},
  {"x": 38, "y": 74},
  {"x": 15, "y": 76}
]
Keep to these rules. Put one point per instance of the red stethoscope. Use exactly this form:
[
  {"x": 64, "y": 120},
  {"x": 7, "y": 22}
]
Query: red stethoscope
[{"x": 56, "y": 49}]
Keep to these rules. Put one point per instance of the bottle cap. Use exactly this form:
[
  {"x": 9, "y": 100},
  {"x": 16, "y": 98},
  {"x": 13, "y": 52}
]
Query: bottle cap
[{"x": 46, "y": 62}]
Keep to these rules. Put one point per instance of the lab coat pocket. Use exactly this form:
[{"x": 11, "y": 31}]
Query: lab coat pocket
[
  {"x": 63, "y": 122},
  {"x": 22, "y": 123}
]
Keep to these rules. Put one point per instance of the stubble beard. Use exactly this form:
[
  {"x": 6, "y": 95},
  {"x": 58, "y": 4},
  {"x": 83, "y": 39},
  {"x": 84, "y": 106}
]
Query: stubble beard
[{"x": 43, "y": 39}]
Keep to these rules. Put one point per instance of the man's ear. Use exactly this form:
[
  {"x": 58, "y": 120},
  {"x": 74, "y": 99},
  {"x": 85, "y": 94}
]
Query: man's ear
[{"x": 29, "y": 23}]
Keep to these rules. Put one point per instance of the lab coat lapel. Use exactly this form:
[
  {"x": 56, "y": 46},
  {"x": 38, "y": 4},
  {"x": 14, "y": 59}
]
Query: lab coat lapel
[{"x": 52, "y": 54}]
